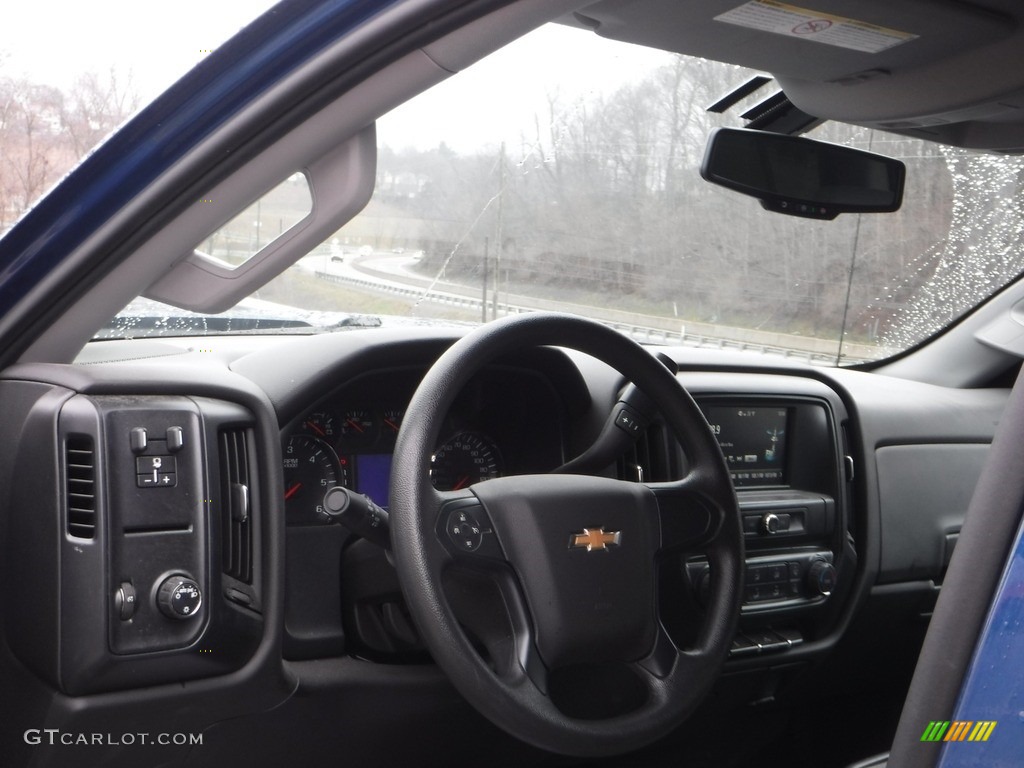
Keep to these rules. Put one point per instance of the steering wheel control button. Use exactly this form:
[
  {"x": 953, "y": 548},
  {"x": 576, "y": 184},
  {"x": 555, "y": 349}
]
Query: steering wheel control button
[
  {"x": 464, "y": 530},
  {"x": 468, "y": 530},
  {"x": 179, "y": 597},
  {"x": 629, "y": 422},
  {"x": 125, "y": 601}
]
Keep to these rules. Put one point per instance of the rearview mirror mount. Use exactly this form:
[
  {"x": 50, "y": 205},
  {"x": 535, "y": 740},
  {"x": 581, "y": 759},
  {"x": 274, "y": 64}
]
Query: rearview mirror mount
[{"x": 803, "y": 177}]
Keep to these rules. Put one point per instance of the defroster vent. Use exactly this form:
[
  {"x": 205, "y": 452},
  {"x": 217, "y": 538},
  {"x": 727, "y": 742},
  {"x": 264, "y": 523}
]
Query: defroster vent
[{"x": 236, "y": 530}]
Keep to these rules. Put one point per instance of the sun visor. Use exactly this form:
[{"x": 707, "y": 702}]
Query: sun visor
[
  {"x": 817, "y": 40},
  {"x": 340, "y": 184}
]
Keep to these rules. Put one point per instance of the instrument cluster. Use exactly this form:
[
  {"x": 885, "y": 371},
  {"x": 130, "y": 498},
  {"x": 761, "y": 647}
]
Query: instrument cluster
[{"x": 348, "y": 439}]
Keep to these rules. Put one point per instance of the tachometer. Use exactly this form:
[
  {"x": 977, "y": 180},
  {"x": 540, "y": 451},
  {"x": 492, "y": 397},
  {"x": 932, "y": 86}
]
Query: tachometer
[
  {"x": 310, "y": 468},
  {"x": 465, "y": 459}
]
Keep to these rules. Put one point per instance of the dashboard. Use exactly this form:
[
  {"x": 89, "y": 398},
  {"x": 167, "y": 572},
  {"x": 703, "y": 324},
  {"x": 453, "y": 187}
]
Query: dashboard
[
  {"x": 782, "y": 437},
  {"x": 251, "y": 433}
]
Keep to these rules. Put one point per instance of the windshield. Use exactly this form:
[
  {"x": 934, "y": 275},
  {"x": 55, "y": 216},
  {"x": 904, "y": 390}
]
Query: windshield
[
  {"x": 62, "y": 91},
  {"x": 561, "y": 173}
]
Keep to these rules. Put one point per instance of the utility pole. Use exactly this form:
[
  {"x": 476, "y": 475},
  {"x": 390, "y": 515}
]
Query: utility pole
[
  {"x": 483, "y": 298},
  {"x": 497, "y": 253}
]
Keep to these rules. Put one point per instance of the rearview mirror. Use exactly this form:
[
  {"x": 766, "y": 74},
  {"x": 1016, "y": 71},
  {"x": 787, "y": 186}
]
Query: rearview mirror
[{"x": 803, "y": 177}]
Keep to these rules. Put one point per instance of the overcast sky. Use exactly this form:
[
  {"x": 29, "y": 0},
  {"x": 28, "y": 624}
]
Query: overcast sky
[
  {"x": 510, "y": 86},
  {"x": 55, "y": 41}
]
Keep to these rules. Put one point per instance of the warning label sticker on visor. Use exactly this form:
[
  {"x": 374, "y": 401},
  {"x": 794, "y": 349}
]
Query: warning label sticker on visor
[{"x": 789, "y": 20}]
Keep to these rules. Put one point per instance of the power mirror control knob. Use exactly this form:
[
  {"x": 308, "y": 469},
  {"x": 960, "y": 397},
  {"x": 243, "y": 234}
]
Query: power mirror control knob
[{"x": 179, "y": 597}]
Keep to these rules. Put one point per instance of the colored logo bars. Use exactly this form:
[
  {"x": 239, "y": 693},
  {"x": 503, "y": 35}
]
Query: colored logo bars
[{"x": 958, "y": 730}]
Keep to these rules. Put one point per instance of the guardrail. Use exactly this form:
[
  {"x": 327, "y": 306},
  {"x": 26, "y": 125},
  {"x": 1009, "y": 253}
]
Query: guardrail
[{"x": 647, "y": 334}]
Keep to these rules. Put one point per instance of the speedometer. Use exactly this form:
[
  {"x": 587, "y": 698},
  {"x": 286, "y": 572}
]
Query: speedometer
[{"x": 465, "y": 459}]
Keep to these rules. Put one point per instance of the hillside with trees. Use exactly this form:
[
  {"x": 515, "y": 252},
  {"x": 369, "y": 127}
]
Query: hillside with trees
[{"x": 601, "y": 202}]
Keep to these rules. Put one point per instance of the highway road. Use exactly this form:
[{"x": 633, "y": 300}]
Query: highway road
[{"x": 392, "y": 274}]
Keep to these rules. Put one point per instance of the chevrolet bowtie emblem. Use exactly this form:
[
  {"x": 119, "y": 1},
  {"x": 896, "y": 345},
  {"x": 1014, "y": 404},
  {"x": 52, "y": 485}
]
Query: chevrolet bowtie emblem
[{"x": 596, "y": 539}]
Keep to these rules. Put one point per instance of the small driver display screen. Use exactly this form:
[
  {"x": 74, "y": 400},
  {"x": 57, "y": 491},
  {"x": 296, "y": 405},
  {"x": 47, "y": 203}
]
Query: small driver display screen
[
  {"x": 753, "y": 441},
  {"x": 373, "y": 474}
]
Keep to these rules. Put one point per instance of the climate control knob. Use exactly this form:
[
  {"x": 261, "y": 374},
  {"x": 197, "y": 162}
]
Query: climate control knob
[
  {"x": 821, "y": 578},
  {"x": 179, "y": 597}
]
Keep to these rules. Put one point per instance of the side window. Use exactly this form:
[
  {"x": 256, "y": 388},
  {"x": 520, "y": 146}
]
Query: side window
[{"x": 261, "y": 223}]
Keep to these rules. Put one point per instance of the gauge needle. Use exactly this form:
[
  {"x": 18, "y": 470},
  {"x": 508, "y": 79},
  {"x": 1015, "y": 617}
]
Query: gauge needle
[
  {"x": 391, "y": 424},
  {"x": 316, "y": 429},
  {"x": 292, "y": 491},
  {"x": 354, "y": 425},
  {"x": 461, "y": 484}
]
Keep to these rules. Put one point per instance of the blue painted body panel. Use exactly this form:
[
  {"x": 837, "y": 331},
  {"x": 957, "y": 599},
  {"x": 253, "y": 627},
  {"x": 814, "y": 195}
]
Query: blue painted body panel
[{"x": 994, "y": 686}]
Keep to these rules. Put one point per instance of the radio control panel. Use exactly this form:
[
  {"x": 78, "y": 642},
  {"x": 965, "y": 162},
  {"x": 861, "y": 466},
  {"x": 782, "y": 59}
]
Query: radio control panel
[
  {"x": 778, "y": 580},
  {"x": 788, "y": 515}
]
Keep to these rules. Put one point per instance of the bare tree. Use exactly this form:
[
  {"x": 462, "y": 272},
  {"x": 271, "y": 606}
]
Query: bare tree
[
  {"x": 33, "y": 155},
  {"x": 44, "y": 132},
  {"x": 94, "y": 107}
]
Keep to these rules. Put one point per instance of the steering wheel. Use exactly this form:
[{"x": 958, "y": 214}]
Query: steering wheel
[{"x": 528, "y": 587}]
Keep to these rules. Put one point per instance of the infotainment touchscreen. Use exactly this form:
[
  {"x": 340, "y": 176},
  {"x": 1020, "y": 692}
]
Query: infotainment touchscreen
[{"x": 753, "y": 440}]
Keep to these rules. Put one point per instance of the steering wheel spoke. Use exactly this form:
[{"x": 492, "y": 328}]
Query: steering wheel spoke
[
  {"x": 663, "y": 660},
  {"x": 689, "y": 518},
  {"x": 529, "y": 661}
]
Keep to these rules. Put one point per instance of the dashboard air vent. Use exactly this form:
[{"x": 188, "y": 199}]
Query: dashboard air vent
[
  {"x": 80, "y": 471},
  {"x": 236, "y": 514}
]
